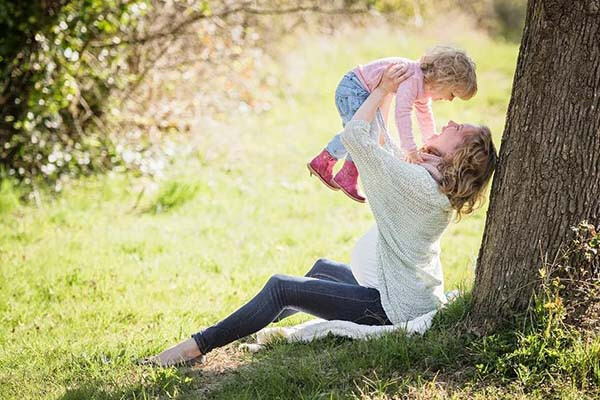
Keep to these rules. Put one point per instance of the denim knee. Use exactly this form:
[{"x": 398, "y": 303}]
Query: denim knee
[
  {"x": 318, "y": 265},
  {"x": 275, "y": 281},
  {"x": 274, "y": 288}
]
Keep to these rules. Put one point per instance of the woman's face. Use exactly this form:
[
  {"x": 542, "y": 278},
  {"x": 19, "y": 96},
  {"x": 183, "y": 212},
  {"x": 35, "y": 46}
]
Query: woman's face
[{"x": 451, "y": 137}]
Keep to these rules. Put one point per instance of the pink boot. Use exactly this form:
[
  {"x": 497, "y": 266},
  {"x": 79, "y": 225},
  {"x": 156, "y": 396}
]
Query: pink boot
[
  {"x": 322, "y": 167},
  {"x": 347, "y": 180}
]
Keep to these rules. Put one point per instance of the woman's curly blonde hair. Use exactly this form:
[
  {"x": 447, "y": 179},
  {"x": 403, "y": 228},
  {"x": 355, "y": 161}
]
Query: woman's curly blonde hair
[
  {"x": 448, "y": 67},
  {"x": 467, "y": 171}
]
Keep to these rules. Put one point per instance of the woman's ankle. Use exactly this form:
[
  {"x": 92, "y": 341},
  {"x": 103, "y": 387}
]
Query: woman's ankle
[
  {"x": 186, "y": 350},
  {"x": 190, "y": 348}
]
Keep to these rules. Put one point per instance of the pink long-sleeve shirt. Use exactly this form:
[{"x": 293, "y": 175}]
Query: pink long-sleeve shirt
[{"x": 410, "y": 93}]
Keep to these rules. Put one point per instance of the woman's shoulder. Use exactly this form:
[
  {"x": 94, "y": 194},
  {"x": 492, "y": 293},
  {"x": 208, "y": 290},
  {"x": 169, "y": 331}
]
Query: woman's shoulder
[
  {"x": 430, "y": 187},
  {"x": 430, "y": 184}
]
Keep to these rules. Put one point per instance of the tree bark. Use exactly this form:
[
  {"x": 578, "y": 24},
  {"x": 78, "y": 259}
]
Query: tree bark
[{"x": 548, "y": 176}]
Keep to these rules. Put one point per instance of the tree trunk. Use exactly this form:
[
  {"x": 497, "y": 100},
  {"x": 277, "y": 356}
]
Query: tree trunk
[{"x": 548, "y": 177}]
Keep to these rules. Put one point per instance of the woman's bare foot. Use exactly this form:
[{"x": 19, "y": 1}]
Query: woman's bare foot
[{"x": 180, "y": 354}]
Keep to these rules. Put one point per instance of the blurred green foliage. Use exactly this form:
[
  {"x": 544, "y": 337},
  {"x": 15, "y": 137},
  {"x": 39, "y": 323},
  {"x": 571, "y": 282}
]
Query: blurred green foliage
[
  {"x": 56, "y": 74},
  {"x": 509, "y": 18},
  {"x": 500, "y": 18},
  {"x": 67, "y": 67}
]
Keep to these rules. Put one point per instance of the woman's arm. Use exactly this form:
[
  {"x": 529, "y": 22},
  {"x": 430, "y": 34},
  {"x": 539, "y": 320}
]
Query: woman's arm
[
  {"x": 385, "y": 111},
  {"x": 387, "y": 179},
  {"x": 391, "y": 78},
  {"x": 367, "y": 110}
]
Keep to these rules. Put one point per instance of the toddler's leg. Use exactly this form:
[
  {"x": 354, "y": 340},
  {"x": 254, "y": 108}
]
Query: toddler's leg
[
  {"x": 336, "y": 148},
  {"x": 348, "y": 101},
  {"x": 322, "y": 166},
  {"x": 347, "y": 178}
]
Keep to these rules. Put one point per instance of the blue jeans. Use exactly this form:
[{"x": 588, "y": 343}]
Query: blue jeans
[
  {"x": 349, "y": 96},
  {"x": 328, "y": 291}
]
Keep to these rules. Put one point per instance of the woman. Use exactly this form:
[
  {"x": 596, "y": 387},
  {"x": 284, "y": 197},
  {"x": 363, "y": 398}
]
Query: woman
[{"x": 396, "y": 274}]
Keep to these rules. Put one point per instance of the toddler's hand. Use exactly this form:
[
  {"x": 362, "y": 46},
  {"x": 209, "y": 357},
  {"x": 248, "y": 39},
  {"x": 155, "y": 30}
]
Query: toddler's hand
[{"x": 413, "y": 157}]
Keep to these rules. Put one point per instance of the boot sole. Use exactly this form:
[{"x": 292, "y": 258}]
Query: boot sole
[
  {"x": 313, "y": 172},
  {"x": 352, "y": 197}
]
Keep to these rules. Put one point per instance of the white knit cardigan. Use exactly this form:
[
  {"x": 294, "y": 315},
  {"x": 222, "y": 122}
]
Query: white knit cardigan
[{"x": 411, "y": 214}]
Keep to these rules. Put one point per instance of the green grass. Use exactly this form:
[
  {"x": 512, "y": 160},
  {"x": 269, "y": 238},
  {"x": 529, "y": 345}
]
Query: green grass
[
  {"x": 173, "y": 193},
  {"x": 9, "y": 198},
  {"x": 118, "y": 268},
  {"x": 446, "y": 362}
]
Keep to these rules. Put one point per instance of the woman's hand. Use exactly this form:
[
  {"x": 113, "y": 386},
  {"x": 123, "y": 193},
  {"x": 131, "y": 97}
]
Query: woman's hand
[
  {"x": 413, "y": 157},
  {"x": 390, "y": 79},
  {"x": 393, "y": 76}
]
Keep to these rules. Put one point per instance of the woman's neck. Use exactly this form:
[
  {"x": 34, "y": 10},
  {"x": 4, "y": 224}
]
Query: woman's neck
[{"x": 431, "y": 150}]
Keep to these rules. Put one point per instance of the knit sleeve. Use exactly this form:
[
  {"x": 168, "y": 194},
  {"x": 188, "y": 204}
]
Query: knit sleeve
[
  {"x": 389, "y": 145},
  {"x": 387, "y": 180},
  {"x": 425, "y": 119}
]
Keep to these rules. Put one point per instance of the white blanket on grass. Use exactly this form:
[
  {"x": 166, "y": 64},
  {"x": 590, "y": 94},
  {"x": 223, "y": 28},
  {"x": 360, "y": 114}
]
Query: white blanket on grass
[{"x": 319, "y": 328}]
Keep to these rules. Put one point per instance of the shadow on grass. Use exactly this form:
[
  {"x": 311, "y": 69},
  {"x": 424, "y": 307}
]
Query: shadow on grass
[
  {"x": 100, "y": 379},
  {"x": 447, "y": 361},
  {"x": 335, "y": 366},
  {"x": 151, "y": 383},
  {"x": 538, "y": 361}
]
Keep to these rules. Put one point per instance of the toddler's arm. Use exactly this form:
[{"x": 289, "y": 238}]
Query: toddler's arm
[
  {"x": 425, "y": 119},
  {"x": 405, "y": 98}
]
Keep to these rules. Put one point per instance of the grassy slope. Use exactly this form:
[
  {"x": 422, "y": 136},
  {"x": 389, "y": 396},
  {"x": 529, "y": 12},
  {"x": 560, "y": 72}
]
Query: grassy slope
[{"x": 87, "y": 283}]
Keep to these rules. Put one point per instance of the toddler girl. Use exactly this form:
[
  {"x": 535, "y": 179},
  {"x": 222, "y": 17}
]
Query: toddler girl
[{"x": 443, "y": 73}]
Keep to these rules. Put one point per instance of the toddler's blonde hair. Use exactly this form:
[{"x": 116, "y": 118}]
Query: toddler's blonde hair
[
  {"x": 448, "y": 67},
  {"x": 467, "y": 171}
]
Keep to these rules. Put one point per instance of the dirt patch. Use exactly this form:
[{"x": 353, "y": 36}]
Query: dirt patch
[{"x": 218, "y": 365}]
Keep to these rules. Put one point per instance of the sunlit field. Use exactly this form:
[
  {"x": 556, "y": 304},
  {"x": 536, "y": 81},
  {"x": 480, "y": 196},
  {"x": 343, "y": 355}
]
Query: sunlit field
[{"x": 118, "y": 267}]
